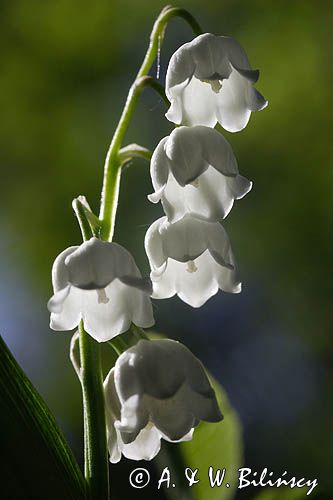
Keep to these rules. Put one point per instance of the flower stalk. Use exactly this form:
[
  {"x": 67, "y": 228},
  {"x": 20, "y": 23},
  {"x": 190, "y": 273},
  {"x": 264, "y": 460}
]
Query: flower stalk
[
  {"x": 96, "y": 467},
  {"x": 96, "y": 453},
  {"x": 112, "y": 167},
  {"x": 96, "y": 462},
  {"x": 99, "y": 289},
  {"x": 113, "y": 163}
]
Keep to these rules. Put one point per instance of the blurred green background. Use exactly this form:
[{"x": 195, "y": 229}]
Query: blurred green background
[{"x": 66, "y": 66}]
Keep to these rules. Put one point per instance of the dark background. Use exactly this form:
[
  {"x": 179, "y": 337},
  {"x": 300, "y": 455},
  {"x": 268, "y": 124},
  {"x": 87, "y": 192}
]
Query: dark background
[{"x": 66, "y": 66}]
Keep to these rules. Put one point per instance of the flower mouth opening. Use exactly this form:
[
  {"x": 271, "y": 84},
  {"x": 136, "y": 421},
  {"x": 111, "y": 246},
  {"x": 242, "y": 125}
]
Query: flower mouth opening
[
  {"x": 216, "y": 84},
  {"x": 215, "y": 81}
]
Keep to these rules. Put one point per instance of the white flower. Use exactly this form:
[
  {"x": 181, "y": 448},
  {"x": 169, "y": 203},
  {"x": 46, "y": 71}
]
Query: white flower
[
  {"x": 210, "y": 80},
  {"x": 194, "y": 171},
  {"x": 191, "y": 258},
  {"x": 157, "y": 389},
  {"x": 100, "y": 283}
]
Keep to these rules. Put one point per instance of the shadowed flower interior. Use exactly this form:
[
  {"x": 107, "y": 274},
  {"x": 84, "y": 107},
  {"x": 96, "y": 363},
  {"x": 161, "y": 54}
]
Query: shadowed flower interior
[
  {"x": 191, "y": 258},
  {"x": 210, "y": 80},
  {"x": 142, "y": 409},
  {"x": 100, "y": 283},
  {"x": 194, "y": 171}
]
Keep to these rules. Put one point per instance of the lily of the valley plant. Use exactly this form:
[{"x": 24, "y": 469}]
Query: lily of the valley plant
[{"x": 157, "y": 389}]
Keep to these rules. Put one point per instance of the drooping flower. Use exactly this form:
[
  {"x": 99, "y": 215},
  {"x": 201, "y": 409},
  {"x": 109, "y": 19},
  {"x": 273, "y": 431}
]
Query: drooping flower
[
  {"x": 194, "y": 171},
  {"x": 100, "y": 283},
  {"x": 146, "y": 400},
  {"x": 210, "y": 80},
  {"x": 191, "y": 258}
]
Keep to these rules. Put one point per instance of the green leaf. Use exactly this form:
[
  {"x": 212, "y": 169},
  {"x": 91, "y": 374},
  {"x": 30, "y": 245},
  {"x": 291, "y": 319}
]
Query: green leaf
[
  {"x": 36, "y": 460},
  {"x": 218, "y": 446}
]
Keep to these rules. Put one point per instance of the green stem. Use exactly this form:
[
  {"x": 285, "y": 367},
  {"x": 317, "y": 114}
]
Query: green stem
[
  {"x": 155, "y": 85},
  {"x": 112, "y": 168},
  {"x": 131, "y": 151},
  {"x": 158, "y": 32},
  {"x": 96, "y": 462},
  {"x": 96, "y": 453},
  {"x": 139, "y": 332},
  {"x": 82, "y": 219},
  {"x": 91, "y": 377}
]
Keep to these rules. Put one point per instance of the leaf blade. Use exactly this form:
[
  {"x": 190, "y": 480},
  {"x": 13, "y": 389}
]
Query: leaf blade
[
  {"x": 217, "y": 445},
  {"x": 46, "y": 468}
]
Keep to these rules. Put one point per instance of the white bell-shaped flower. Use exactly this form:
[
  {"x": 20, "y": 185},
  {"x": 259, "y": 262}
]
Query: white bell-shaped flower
[
  {"x": 146, "y": 400},
  {"x": 210, "y": 80},
  {"x": 191, "y": 258},
  {"x": 99, "y": 283},
  {"x": 194, "y": 171}
]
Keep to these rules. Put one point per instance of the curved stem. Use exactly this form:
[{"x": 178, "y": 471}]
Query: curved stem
[
  {"x": 81, "y": 217},
  {"x": 158, "y": 31},
  {"x": 112, "y": 167},
  {"x": 131, "y": 151},
  {"x": 155, "y": 85},
  {"x": 96, "y": 462}
]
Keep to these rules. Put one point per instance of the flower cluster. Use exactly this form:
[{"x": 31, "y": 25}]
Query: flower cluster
[
  {"x": 195, "y": 177},
  {"x": 194, "y": 171}
]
